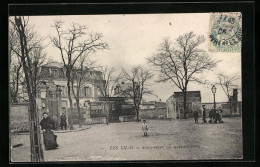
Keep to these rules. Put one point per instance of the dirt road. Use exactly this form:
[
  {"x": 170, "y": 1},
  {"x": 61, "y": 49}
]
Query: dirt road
[{"x": 166, "y": 140}]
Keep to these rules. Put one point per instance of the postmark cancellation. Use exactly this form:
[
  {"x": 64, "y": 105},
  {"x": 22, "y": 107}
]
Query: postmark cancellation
[{"x": 225, "y": 32}]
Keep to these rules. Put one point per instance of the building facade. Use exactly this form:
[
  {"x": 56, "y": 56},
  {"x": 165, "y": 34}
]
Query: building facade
[
  {"x": 52, "y": 95},
  {"x": 175, "y": 107}
]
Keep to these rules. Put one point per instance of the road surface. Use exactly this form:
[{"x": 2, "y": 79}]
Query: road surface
[{"x": 166, "y": 140}]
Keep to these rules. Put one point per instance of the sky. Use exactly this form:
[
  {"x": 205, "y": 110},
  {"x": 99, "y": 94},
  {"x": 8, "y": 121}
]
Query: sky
[{"x": 134, "y": 37}]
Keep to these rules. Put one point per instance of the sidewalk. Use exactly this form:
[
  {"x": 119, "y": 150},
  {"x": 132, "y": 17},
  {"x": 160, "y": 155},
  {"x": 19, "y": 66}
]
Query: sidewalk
[{"x": 76, "y": 129}]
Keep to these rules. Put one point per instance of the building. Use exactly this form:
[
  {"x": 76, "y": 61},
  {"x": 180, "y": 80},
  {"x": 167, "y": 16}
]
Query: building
[
  {"x": 124, "y": 89},
  {"x": 174, "y": 104},
  {"x": 53, "y": 92}
]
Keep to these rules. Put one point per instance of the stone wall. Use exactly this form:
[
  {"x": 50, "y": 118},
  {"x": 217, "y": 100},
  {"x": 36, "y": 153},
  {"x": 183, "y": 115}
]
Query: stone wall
[
  {"x": 157, "y": 113},
  {"x": 98, "y": 120}
]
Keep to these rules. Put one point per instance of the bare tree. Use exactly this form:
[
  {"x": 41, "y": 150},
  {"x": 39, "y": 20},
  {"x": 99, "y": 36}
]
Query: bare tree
[
  {"x": 15, "y": 67},
  {"x": 80, "y": 76},
  {"x": 26, "y": 48},
  {"x": 139, "y": 79},
  {"x": 16, "y": 74},
  {"x": 37, "y": 58},
  {"x": 109, "y": 81},
  {"x": 227, "y": 84},
  {"x": 72, "y": 44},
  {"x": 107, "y": 85},
  {"x": 182, "y": 62}
]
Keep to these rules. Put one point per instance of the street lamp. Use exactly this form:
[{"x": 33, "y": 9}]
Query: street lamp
[{"x": 214, "y": 89}]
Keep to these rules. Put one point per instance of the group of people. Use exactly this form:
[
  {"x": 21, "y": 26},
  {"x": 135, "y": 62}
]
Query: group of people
[
  {"x": 215, "y": 115},
  {"x": 48, "y": 125}
]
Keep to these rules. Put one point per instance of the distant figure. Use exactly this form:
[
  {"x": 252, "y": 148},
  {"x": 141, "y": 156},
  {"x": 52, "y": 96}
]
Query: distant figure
[
  {"x": 212, "y": 114},
  {"x": 48, "y": 126},
  {"x": 220, "y": 112},
  {"x": 196, "y": 115},
  {"x": 145, "y": 127},
  {"x": 204, "y": 114},
  {"x": 63, "y": 122},
  {"x": 56, "y": 122},
  {"x": 219, "y": 115}
]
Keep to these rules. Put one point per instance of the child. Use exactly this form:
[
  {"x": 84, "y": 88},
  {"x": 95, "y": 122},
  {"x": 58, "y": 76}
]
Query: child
[{"x": 145, "y": 127}]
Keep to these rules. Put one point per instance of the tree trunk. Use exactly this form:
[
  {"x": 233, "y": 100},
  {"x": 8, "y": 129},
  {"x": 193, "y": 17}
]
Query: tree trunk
[
  {"x": 230, "y": 105},
  {"x": 107, "y": 109},
  {"x": 70, "y": 115},
  {"x": 35, "y": 135},
  {"x": 137, "y": 114},
  {"x": 184, "y": 103},
  {"x": 78, "y": 107}
]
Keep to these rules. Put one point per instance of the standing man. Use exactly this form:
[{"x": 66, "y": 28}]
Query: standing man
[
  {"x": 145, "y": 127},
  {"x": 48, "y": 126},
  {"x": 204, "y": 114},
  {"x": 196, "y": 115},
  {"x": 63, "y": 121}
]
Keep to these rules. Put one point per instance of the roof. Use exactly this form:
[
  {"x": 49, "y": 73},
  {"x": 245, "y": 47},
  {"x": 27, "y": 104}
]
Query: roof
[
  {"x": 187, "y": 92},
  {"x": 54, "y": 64},
  {"x": 179, "y": 94}
]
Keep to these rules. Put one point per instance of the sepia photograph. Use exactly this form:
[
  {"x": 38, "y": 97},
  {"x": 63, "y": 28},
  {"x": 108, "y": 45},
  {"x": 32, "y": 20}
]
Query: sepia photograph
[{"x": 125, "y": 87}]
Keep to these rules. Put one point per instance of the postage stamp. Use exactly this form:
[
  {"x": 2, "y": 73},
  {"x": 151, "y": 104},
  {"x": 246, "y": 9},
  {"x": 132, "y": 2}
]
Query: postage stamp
[{"x": 225, "y": 33}]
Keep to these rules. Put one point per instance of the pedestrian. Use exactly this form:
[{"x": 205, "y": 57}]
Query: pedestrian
[
  {"x": 49, "y": 138},
  {"x": 145, "y": 127},
  {"x": 204, "y": 114},
  {"x": 196, "y": 115},
  {"x": 63, "y": 122},
  {"x": 211, "y": 115},
  {"x": 219, "y": 115}
]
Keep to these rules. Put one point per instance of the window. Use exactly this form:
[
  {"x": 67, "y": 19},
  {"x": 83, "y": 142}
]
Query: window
[
  {"x": 87, "y": 91},
  {"x": 55, "y": 72},
  {"x": 98, "y": 92},
  {"x": 63, "y": 90},
  {"x": 43, "y": 95},
  {"x": 43, "y": 105}
]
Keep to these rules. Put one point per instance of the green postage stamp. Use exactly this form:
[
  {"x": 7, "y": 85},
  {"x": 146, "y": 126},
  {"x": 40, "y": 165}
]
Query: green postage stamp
[{"x": 225, "y": 32}]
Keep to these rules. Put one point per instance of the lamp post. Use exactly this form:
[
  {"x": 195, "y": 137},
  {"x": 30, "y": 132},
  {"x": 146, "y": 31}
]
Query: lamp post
[{"x": 213, "y": 89}]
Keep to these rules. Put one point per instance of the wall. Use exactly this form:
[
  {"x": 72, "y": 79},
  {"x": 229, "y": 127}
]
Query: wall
[
  {"x": 19, "y": 118},
  {"x": 225, "y": 107},
  {"x": 175, "y": 107},
  {"x": 171, "y": 108},
  {"x": 19, "y": 113},
  {"x": 98, "y": 120},
  {"x": 128, "y": 118},
  {"x": 158, "y": 113}
]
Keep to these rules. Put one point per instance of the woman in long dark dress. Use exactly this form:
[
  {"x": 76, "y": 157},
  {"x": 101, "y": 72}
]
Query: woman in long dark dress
[{"x": 48, "y": 126}]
